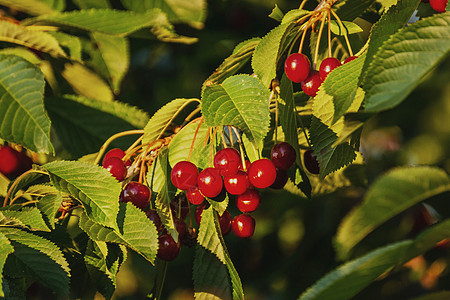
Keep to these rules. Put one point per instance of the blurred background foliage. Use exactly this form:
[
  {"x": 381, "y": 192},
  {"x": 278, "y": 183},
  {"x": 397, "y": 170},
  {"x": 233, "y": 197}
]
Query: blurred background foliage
[{"x": 292, "y": 245}]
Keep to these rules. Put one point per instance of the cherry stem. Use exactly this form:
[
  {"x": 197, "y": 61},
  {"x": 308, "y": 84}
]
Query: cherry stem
[
  {"x": 223, "y": 137},
  {"x": 300, "y": 48},
  {"x": 191, "y": 115},
  {"x": 160, "y": 278},
  {"x": 241, "y": 148},
  {"x": 302, "y": 4},
  {"x": 302, "y": 126},
  {"x": 329, "y": 33},
  {"x": 142, "y": 169},
  {"x": 345, "y": 32},
  {"x": 16, "y": 182},
  {"x": 319, "y": 36},
  {"x": 112, "y": 138},
  {"x": 195, "y": 136},
  {"x": 231, "y": 136}
]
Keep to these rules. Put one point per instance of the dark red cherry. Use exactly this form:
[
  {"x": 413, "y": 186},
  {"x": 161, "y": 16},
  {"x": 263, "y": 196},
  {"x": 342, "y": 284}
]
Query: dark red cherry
[
  {"x": 349, "y": 59},
  {"x": 310, "y": 161},
  {"x": 281, "y": 180},
  {"x": 184, "y": 175},
  {"x": 283, "y": 155},
  {"x": 194, "y": 196},
  {"x": 297, "y": 67},
  {"x": 328, "y": 65},
  {"x": 180, "y": 206},
  {"x": 198, "y": 212},
  {"x": 12, "y": 162},
  {"x": 180, "y": 226},
  {"x": 116, "y": 167},
  {"x": 439, "y": 5},
  {"x": 168, "y": 250},
  {"x": 262, "y": 173},
  {"x": 311, "y": 84},
  {"x": 243, "y": 226},
  {"x": 153, "y": 216},
  {"x": 227, "y": 161},
  {"x": 210, "y": 182},
  {"x": 236, "y": 184},
  {"x": 248, "y": 201},
  {"x": 116, "y": 152},
  {"x": 136, "y": 193},
  {"x": 225, "y": 222}
]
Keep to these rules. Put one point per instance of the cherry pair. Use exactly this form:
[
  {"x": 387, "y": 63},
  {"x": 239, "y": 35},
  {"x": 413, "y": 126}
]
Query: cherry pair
[{"x": 115, "y": 165}]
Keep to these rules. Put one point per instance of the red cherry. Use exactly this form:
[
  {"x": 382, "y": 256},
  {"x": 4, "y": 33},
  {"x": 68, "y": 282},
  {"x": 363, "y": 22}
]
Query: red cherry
[
  {"x": 227, "y": 161},
  {"x": 181, "y": 227},
  {"x": 225, "y": 223},
  {"x": 328, "y": 65},
  {"x": 116, "y": 167},
  {"x": 194, "y": 196},
  {"x": 168, "y": 250},
  {"x": 116, "y": 152},
  {"x": 280, "y": 181},
  {"x": 262, "y": 173},
  {"x": 245, "y": 166},
  {"x": 311, "y": 84},
  {"x": 283, "y": 155},
  {"x": 180, "y": 206},
  {"x": 439, "y": 5},
  {"x": 198, "y": 212},
  {"x": 136, "y": 193},
  {"x": 349, "y": 59},
  {"x": 210, "y": 182},
  {"x": 310, "y": 161},
  {"x": 248, "y": 201},
  {"x": 12, "y": 162},
  {"x": 184, "y": 175},
  {"x": 153, "y": 216},
  {"x": 297, "y": 67},
  {"x": 243, "y": 226},
  {"x": 236, "y": 184}
]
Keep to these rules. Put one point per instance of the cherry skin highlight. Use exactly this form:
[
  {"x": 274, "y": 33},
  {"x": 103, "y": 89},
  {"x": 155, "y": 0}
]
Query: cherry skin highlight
[
  {"x": 262, "y": 173},
  {"x": 116, "y": 167},
  {"x": 184, "y": 175},
  {"x": 243, "y": 226},
  {"x": 136, "y": 193},
  {"x": 227, "y": 161},
  {"x": 210, "y": 182},
  {"x": 311, "y": 84},
  {"x": 328, "y": 65},
  {"x": 297, "y": 67},
  {"x": 283, "y": 155},
  {"x": 116, "y": 152},
  {"x": 236, "y": 184},
  {"x": 194, "y": 196},
  {"x": 248, "y": 201},
  {"x": 168, "y": 250}
]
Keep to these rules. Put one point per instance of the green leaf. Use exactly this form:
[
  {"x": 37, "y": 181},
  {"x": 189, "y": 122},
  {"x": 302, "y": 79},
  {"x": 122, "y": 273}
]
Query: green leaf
[
  {"x": 288, "y": 115},
  {"x": 135, "y": 231},
  {"x": 27, "y": 179},
  {"x": 5, "y": 250},
  {"x": 348, "y": 27},
  {"x": 49, "y": 205},
  {"x": 29, "y": 216},
  {"x": 85, "y": 4},
  {"x": 219, "y": 206},
  {"x": 294, "y": 15},
  {"x": 109, "y": 21},
  {"x": 177, "y": 11},
  {"x": 22, "y": 52},
  {"x": 113, "y": 55},
  {"x": 265, "y": 57},
  {"x": 159, "y": 122},
  {"x": 276, "y": 14},
  {"x": 348, "y": 10},
  {"x": 390, "y": 195},
  {"x": 92, "y": 185},
  {"x": 395, "y": 18},
  {"x": 71, "y": 43},
  {"x": 404, "y": 59},
  {"x": 21, "y": 91},
  {"x": 347, "y": 280},
  {"x": 87, "y": 83},
  {"x": 38, "y": 40},
  {"x": 32, "y": 7},
  {"x": 42, "y": 257},
  {"x": 241, "y": 101}
]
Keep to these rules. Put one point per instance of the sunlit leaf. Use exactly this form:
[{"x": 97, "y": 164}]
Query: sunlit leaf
[{"x": 5, "y": 250}]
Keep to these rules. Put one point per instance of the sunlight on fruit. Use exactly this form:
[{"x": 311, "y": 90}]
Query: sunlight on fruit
[{"x": 290, "y": 233}]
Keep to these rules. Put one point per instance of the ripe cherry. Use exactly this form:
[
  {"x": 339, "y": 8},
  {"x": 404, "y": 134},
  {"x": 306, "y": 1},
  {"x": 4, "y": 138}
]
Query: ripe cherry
[
  {"x": 198, "y": 212},
  {"x": 349, "y": 59},
  {"x": 248, "y": 201},
  {"x": 243, "y": 226},
  {"x": 116, "y": 152},
  {"x": 281, "y": 180},
  {"x": 310, "y": 161},
  {"x": 328, "y": 65},
  {"x": 236, "y": 184},
  {"x": 210, "y": 182},
  {"x": 194, "y": 196},
  {"x": 297, "y": 67},
  {"x": 116, "y": 167},
  {"x": 227, "y": 161},
  {"x": 262, "y": 173},
  {"x": 439, "y": 5},
  {"x": 225, "y": 223},
  {"x": 180, "y": 226},
  {"x": 12, "y": 162},
  {"x": 168, "y": 250},
  {"x": 283, "y": 155},
  {"x": 153, "y": 216},
  {"x": 180, "y": 206},
  {"x": 184, "y": 175},
  {"x": 311, "y": 84},
  {"x": 136, "y": 193}
]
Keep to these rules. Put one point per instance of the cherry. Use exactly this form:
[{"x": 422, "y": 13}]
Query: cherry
[
  {"x": 248, "y": 201},
  {"x": 311, "y": 84},
  {"x": 328, "y": 65},
  {"x": 184, "y": 175},
  {"x": 198, "y": 212},
  {"x": 311, "y": 163},
  {"x": 439, "y": 5},
  {"x": 236, "y": 184},
  {"x": 136, "y": 193},
  {"x": 168, "y": 250},
  {"x": 349, "y": 59},
  {"x": 297, "y": 67},
  {"x": 243, "y": 226},
  {"x": 194, "y": 196},
  {"x": 262, "y": 173},
  {"x": 180, "y": 226},
  {"x": 116, "y": 167},
  {"x": 153, "y": 216},
  {"x": 116, "y": 152},
  {"x": 225, "y": 223},
  {"x": 180, "y": 206},
  {"x": 283, "y": 155},
  {"x": 245, "y": 166},
  {"x": 227, "y": 161},
  {"x": 280, "y": 180},
  {"x": 12, "y": 162},
  {"x": 210, "y": 182}
]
